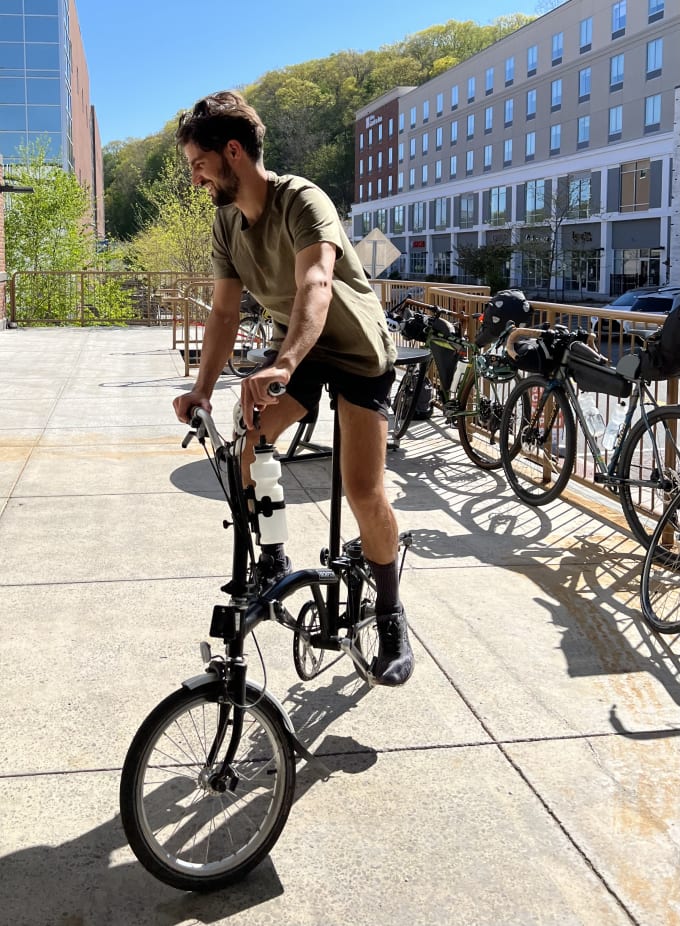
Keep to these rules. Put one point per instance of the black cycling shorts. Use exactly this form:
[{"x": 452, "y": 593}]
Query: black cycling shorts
[{"x": 309, "y": 378}]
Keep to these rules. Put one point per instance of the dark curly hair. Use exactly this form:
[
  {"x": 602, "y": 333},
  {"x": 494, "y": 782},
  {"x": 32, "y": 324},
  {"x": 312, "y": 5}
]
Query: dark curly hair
[{"x": 219, "y": 118}]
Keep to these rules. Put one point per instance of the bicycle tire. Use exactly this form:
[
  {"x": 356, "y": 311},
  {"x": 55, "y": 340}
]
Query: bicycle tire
[
  {"x": 660, "y": 579},
  {"x": 480, "y": 420},
  {"x": 252, "y": 335},
  {"x": 406, "y": 398},
  {"x": 537, "y": 461},
  {"x": 637, "y": 464},
  {"x": 308, "y": 659},
  {"x": 184, "y": 832}
]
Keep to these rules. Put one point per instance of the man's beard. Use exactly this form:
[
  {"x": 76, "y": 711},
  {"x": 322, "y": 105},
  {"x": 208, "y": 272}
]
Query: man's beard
[{"x": 226, "y": 188}]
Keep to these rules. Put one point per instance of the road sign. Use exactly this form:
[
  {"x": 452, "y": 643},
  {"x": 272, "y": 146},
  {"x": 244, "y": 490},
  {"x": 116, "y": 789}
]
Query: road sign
[{"x": 376, "y": 252}]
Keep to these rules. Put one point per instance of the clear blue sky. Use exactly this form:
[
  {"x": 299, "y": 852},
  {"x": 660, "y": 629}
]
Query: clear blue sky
[{"x": 148, "y": 59}]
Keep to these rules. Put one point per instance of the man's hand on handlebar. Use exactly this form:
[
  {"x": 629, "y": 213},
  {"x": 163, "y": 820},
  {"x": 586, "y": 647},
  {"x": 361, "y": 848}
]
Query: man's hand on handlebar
[
  {"x": 260, "y": 389},
  {"x": 188, "y": 400}
]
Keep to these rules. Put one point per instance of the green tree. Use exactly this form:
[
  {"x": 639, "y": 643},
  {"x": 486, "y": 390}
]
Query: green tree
[
  {"x": 487, "y": 263},
  {"x": 178, "y": 236}
]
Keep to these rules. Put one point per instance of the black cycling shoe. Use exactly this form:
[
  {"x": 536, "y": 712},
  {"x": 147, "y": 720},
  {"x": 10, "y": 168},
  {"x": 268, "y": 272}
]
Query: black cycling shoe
[
  {"x": 270, "y": 571},
  {"x": 394, "y": 662}
]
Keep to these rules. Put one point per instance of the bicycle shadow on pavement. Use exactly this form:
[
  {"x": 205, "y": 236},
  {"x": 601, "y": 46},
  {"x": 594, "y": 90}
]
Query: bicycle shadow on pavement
[{"x": 591, "y": 582}]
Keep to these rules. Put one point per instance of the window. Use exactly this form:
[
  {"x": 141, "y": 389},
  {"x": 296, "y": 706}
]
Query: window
[
  {"x": 532, "y": 60},
  {"x": 531, "y": 104},
  {"x": 653, "y": 112},
  {"x": 400, "y": 152},
  {"x": 370, "y": 189},
  {"x": 509, "y": 107},
  {"x": 634, "y": 193},
  {"x": 361, "y": 167},
  {"x": 555, "y": 94},
  {"x": 555, "y": 138},
  {"x": 381, "y": 219},
  {"x": 398, "y": 219},
  {"x": 584, "y": 85},
  {"x": 440, "y": 212},
  {"x": 618, "y": 19},
  {"x": 425, "y": 142},
  {"x": 412, "y": 148},
  {"x": 389, "y": 185},
  {"x": 469, "y": 162},
  {"x": 488, "y": 85},
  {"x": 401, "y": 122},
  {"x": 423, "y": 175},
  {"x": 426, "y": 110},
  {"x": 616, "y": 72},
  {"x": 471, "y": 89},
  {"x": 361, "y": 141},
  {"x": 400, "y": 181},
  {"x": 370, "y": 137},
  {"x": 586, "y": 35},
  {"x": 440, "y": 103},
  {"x": 454, "y": 132},
  {"x": 497, "y": 205},
  {"x": 509, "y": 71},
  {"x": 366, "y": 222},
  {"x": 579, "y": 197},
  {"x": 488, "y": 119},
  {"x": 530, "y": 146},
  {"x": 583, "y": 137},
  {"x": 380, "y": 160},
  {"x": 437, "y": 171},
  {"x": 418, "y": 216},
  {"x": 361, "y": 192},
  {"x": 534, "y": 201},
  {"x": 390, "y": 127},
  {"x": 454, "y": 97},
  {"x": 654, "y": 58},
  {"x": 380, "y": 131},
  {"x": 439, "y": 137},
  {"x": 507, "y": 152},
  {"x": 557, "y": 48},
  {"x": 412, "y": 178},
  {"x": 467, "y": 210},
  {"x": 615, "y": 122},
  {"x": 413, "y": 117},
  {"x": 390, "y": 156},
  {"x": 655, "y": 10},
  {"x": 471, "y": 125},
  {"x": 488, "y": 156},
  {"x": 453, "y": 165}
]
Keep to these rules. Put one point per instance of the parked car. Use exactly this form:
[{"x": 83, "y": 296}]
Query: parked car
[
  {"x": 626, "y": 301},
  {"x": 660, "y": 301}
]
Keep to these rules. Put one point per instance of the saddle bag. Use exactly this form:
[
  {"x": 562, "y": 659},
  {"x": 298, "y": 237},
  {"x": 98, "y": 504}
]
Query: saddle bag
[{"x": 660, "y": 358}]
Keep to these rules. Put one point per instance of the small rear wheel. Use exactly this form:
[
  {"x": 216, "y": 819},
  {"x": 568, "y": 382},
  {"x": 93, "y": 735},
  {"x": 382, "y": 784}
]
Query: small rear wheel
[
  {"x": 308, "y": 658},
  {"x": 479, "y": 421},
  {"x": 251, "y": 335},
  {"x": 191, "y": 825}
]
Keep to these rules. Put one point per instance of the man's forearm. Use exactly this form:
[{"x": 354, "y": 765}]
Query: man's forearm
[
  {"x": 218, "y": 343},
  {"x": 307, "y": 321}
]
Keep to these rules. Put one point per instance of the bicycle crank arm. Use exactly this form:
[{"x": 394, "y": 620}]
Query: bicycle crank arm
[{"x": 358, "y": 659}]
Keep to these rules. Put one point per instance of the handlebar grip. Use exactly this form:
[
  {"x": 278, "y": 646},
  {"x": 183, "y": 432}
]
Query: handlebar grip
[{"x": 276, "y": 389}]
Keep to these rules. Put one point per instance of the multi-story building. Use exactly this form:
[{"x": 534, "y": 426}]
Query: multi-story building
[
  {"x": 44, "y": 91},
  {"x": 558, "y": 141}
]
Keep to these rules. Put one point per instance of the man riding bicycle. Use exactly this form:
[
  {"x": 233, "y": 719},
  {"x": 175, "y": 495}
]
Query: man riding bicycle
[{"x": 280, "y": 237}]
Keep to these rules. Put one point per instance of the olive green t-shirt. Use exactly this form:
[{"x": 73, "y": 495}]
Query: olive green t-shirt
[{"x": 262, "y": 256}]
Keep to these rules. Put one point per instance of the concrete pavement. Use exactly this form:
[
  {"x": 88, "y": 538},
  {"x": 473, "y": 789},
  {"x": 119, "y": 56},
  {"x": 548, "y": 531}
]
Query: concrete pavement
[{"x": 527, "y": 774}]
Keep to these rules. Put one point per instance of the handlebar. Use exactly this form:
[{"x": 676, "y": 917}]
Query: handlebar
[{"x": 517, "y": 333}]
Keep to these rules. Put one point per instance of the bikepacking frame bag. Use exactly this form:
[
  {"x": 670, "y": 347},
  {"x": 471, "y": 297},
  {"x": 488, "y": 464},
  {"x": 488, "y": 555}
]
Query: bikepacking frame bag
[{"x": 592, "y": 373}]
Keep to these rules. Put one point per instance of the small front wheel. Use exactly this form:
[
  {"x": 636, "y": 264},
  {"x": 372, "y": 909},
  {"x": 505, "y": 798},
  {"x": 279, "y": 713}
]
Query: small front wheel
[
  {"x": 482, "y": 402},
  {"x": 192, "y": 822},
  {"x": 307, "y": 658},
  {"x": 538, "y": 441}
]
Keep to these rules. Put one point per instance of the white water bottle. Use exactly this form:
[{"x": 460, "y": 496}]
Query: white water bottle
[
  {"x": 591, "y": 413},
  {"x": 271, "y": 507},
  {"x": 611, "y": 433}
]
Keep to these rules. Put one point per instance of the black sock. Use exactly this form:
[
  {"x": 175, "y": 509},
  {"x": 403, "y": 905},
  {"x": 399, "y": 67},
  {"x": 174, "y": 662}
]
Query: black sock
[
  {"x": 277, "y": 552},
  {"x": 386, "y": 587}
]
